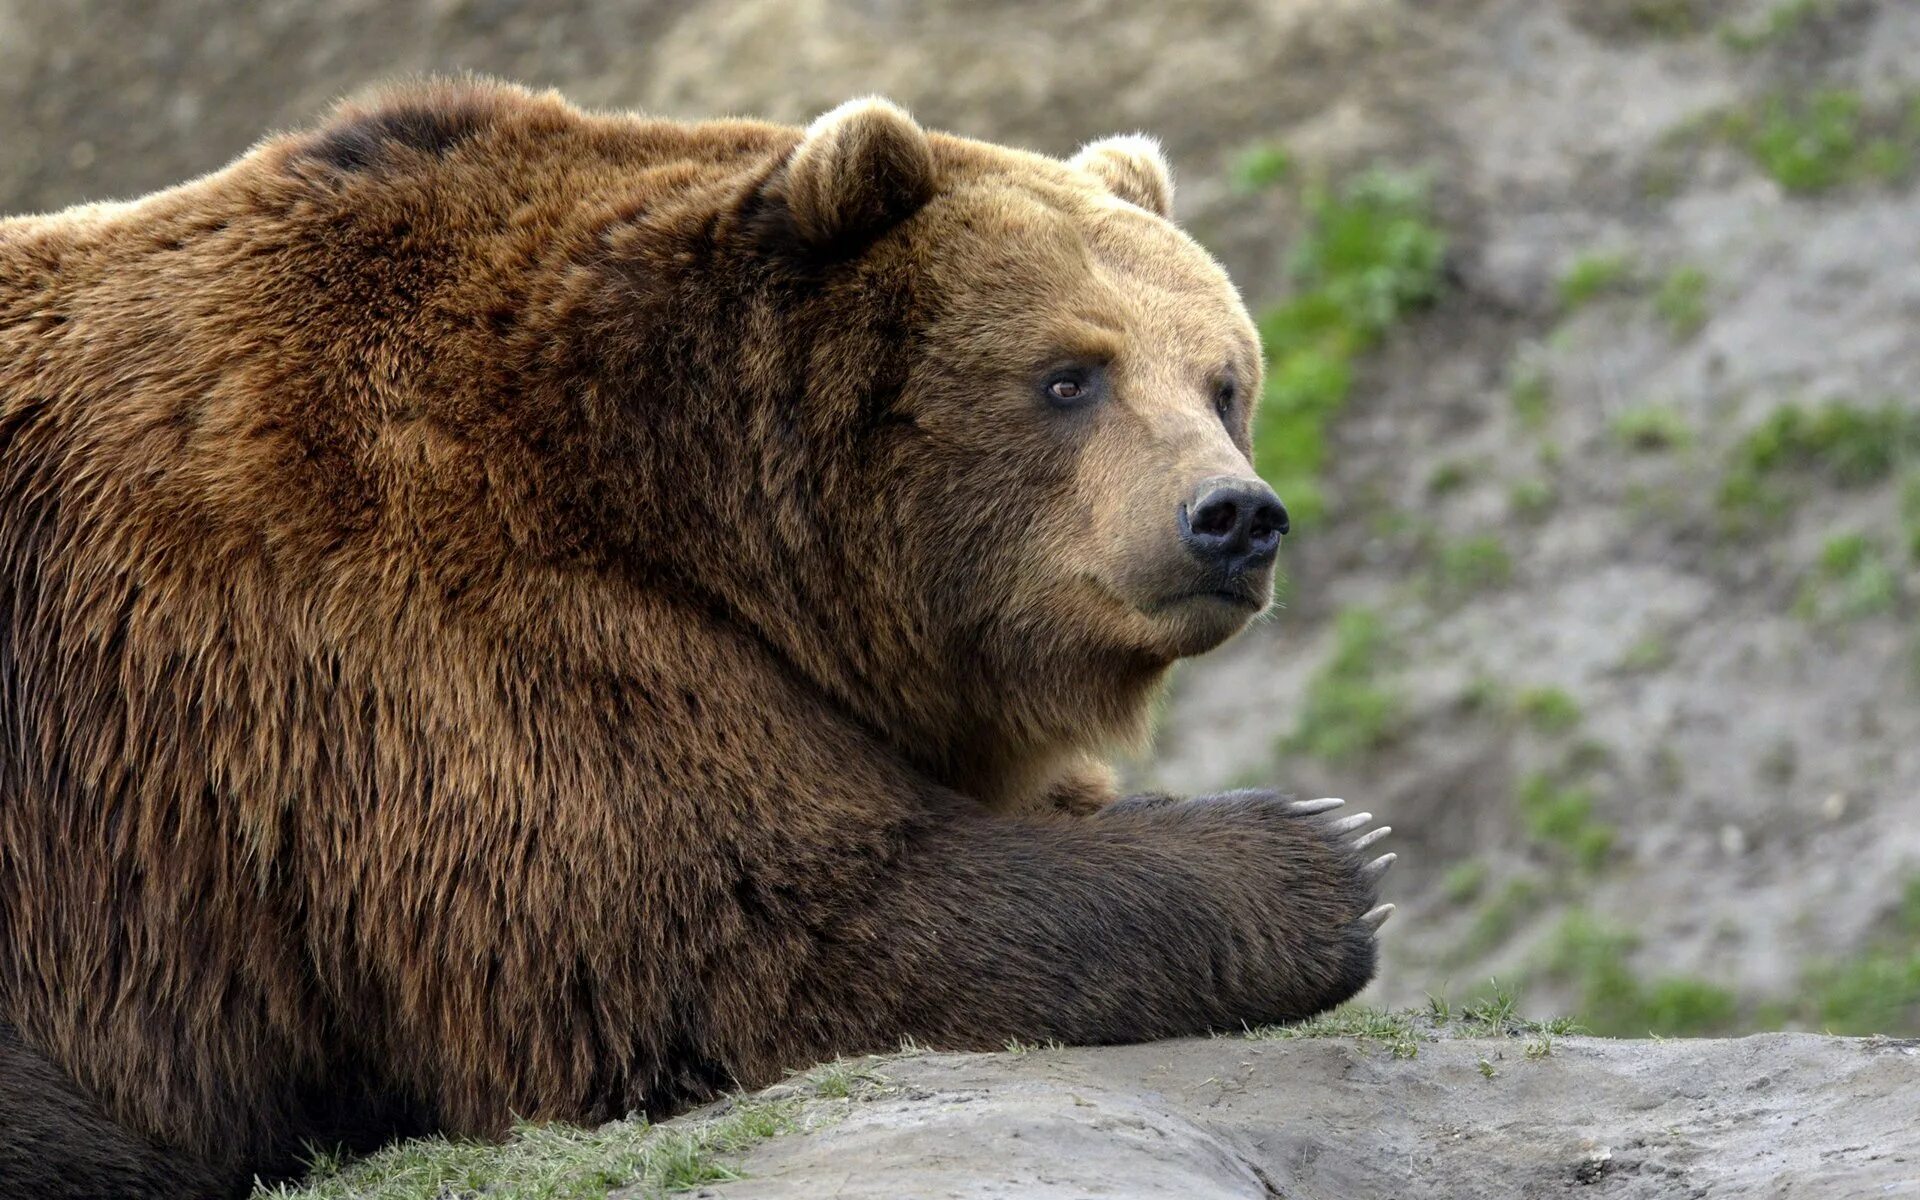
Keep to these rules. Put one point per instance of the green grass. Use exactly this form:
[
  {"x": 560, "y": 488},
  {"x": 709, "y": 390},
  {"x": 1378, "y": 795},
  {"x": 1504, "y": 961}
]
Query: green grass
[
  {"x": 1649, "y": 428},
  {"x": 1668, "y": 18},
  {"x": 1470, "y": 566},
  {"x": 1681, "y": 301},
  {"x": 1347, "y": 711},
  {"x": 1853, "y": 581},
  {"x": 1778, "y": 24},
  {"x": 1850, "y": 445},
  {"x": 1464, "y": 881},
  {"x": 1910, "y": 515},
  {"x": 1845, "y": 553},
  {"x": 1814, "y": 142},
  {"x": 1531, "y": 394},
  {"x": 552, "y": 1162},
  {"x": 1394, "y": 1029},
  {"x": 1494, "y": 1013},
  {"x": 1449, "y": 477},
  {"x": 1878, "y": 992},
  {"x": 1548, "y": 709},
  {"x": 1532, "y": 499},
  {"x": 1592, "y": 957},
  {"x": 1369, "y": 255},
  {"x": 1650, "y": 653},
  {"x": 1500, "y": 917},
  {"x": 1261, "y": 166},
  {"x": 1591, "y": 276},
  {"x": 1562, "y": 815},
  {"x": 1838, "y": 444},
  {"x": 1907, "y": 916}
]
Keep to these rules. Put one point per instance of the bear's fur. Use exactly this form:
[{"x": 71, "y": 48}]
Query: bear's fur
[{"x": 508, "y": 612}]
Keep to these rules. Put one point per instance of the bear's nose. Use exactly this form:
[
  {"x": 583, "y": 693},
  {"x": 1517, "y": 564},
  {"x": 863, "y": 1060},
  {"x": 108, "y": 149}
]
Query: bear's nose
[{"x": 1234, "y": 524}]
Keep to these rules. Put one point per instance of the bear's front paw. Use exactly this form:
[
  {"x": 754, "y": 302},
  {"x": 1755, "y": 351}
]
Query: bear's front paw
[
  {"x": 1326, "y": 897},
  {"x": 1354, "y": 829}
]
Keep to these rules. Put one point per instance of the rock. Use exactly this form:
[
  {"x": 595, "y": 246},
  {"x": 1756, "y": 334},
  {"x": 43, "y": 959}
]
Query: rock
[{"x": 1235, "y": 1118}]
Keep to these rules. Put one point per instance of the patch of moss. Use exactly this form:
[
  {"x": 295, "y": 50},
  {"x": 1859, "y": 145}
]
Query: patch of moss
[
  {"x": 1681, "y": 300},
  {"x": 1907, "y": 917},
  {"x": 1369, "y": 255},
  {"x": 1394, "y": 1029},
  {"x": 1347, "y": 711},
  {"x": 1878, "y": 992},
  {"x": 1651, "y": 427},
  {"x": 1471, "y": 565},
  {"x": 1593, "y": 958},
  {"x": 1562, "y": 815},
  {"x": 1591, "y": 276},
  {"x": 1910, "y": 515},
  {"x": 1853, "y": 581},
  {"x": 1816, "y": 141},
  {"x": 1778, "y": 24},
  {"x": 1849, "y": 445},
  {"x": 1449, "y": 477},
  {"x": 1532, "y": 499},
  {"x": 1499, "y": 918},
  {"x": 1650, "y": 653},
  {"x": 1261, "y": 166},
  {"x": 1840, "y": 444},
  {"x": 1548, "y": 709},
  {"x": 551, "y": 1162},
  {"x": 1464, "y": 881},
  {"x": 1531, "y": 393},
  {"x": 1669, "y": 18}
]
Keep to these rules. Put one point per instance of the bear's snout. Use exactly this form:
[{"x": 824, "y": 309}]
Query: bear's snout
[{"x": 1234, "y": 525}]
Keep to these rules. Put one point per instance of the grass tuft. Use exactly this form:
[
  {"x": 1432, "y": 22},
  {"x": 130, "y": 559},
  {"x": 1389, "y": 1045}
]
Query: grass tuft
[
  {"x": 1347, "y": 711},
  {"x": 1681, "y": 301},
  {"x": 1370, "y": 254},
  {"x": 551, "y": 1162},
  {"x": 1592, "y": 276},
  {"x": 1649, "y": 428},
  {"x": 1548, "y": 709},
  {"x": 1261, "y": 166},
  {"x": 1816, "y": 141}
]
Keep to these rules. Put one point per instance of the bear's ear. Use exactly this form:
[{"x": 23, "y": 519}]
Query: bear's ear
[
  {"x": 1133, "y": 168},
  {"x": 862, "y": 168}
]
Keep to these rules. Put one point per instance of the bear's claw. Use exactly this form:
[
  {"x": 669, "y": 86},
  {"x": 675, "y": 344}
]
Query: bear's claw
[
  {"x": 1349, "y": 824},
  {"x": 1307, "y": 808},
  {"x": 1378, "y": 916},
  {"x": 1368, "y": 839},
  {"x": 1378, "y": 867}
]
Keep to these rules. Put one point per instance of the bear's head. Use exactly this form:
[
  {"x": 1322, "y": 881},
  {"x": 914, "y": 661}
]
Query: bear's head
[{"x": 1012, "y": 484}]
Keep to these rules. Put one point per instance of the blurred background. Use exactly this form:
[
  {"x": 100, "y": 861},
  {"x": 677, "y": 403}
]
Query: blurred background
[{"x": 1594, "y": 330}]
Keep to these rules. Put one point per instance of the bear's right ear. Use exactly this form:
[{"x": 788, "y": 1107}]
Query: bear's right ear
[{"x": 862, "y": 168}]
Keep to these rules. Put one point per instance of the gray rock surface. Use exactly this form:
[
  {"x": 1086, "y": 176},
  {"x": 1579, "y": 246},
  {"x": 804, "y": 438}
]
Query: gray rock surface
[{"x": 1777, "y": 1115}]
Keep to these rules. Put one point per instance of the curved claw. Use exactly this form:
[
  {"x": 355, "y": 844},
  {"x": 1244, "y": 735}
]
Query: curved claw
[
  {"x": 1378, "y": 916},
  {"x": 1378, "y": 866},
  {"x": 1368, "y": 839},
  {"x": 1349, "y": 824},
  {"x": 1306, "y": 808}
]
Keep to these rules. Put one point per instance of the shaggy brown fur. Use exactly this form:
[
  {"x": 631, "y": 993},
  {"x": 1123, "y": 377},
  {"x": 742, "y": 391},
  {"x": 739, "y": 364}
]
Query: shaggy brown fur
[{"x": 507, "y": 611}]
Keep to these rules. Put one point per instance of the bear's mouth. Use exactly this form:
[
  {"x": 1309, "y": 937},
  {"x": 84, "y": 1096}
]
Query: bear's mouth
[{"x": 1240, "y": 593}]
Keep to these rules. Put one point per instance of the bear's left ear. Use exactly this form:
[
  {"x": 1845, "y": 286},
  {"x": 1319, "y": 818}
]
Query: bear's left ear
[
  {"x": 1133, "y": 168},
  {"x": 861, "y": 168}
]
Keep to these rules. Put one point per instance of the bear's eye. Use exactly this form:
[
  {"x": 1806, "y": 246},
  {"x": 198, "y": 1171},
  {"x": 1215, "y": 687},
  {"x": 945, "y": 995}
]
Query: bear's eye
[
  {"x": 1070, "y": 387},
  {"x": 1224, "y": 394}
]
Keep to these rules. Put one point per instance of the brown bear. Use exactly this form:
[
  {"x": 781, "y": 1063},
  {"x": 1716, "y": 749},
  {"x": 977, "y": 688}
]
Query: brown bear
[{"x": 506, "y": 611}]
